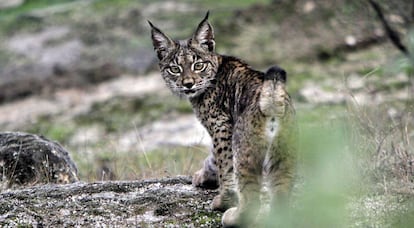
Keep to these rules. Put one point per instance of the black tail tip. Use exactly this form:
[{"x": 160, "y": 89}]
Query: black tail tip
[{"x": 276, "y": 73}]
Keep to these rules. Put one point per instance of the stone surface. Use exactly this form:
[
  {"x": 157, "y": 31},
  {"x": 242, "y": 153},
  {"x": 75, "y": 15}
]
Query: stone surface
[
  {"x": 171, "y": 202},
  {"x": 27, "y": 159}
]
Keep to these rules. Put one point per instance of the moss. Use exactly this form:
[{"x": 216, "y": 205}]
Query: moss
[
  {"x": 210, "y": 219},
  {"x": 23, "y": 225}
]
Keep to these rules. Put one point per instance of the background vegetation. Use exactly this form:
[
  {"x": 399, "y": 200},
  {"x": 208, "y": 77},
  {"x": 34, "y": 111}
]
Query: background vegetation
[{"x": 83, "y": 73}]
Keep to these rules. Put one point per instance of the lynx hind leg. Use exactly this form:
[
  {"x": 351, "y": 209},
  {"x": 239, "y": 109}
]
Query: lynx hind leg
[
  {"x": 273, "y": 94},
  {"x": 248, "y": 170},
  {"x": 206, "y": 177},
  {"x": 246, "y": 212},
  {"x": 230, "y": 218}
]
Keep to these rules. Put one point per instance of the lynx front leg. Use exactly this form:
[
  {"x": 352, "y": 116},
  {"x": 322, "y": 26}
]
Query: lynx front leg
[
  {"x": 217, "y": 170},
  {"x": 223, "y": 154},
  {"x": 207, "y": 177}
]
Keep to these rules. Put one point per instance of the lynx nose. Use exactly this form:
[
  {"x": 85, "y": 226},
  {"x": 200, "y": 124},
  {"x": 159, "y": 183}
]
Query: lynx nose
[{"x": 188, "y": 83}]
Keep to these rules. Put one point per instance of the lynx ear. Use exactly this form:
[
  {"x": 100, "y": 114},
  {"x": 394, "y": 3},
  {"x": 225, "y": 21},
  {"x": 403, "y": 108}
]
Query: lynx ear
[
  {"x": 204, "y": 35},
  {"x": 161, "y": 42}
]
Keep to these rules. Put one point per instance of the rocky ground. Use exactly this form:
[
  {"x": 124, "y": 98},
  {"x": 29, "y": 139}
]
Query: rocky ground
[{"x": 151, "y": 203}]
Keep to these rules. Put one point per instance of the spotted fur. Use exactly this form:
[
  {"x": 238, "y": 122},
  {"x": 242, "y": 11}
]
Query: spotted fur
[{"x": 247, "y": 113}]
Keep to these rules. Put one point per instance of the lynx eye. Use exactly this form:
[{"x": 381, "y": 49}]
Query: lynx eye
[
  {"x": 199, "y": 66},
  {"x": 174, "y": 70}
]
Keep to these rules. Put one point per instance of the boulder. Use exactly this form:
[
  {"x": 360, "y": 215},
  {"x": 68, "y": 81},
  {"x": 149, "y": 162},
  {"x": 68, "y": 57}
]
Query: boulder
[{"x": 28, "y": 159}]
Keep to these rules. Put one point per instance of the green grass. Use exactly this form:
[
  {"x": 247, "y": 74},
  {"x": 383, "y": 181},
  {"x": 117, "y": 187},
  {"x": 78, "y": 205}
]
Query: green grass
[
  {"x": 17, "y": 19},
  {"x": 53, "y": 130},
  {"x": 162, "y": 162},
  {"x": 29, "y": 5},
  {"x": 217, "y": 4},
  {"x": 104, "y": 4}
]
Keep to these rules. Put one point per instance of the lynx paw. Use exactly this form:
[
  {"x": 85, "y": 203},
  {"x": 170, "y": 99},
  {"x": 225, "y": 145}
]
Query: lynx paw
[
  {"x": 224, "y": 201},
  {"x": 204, "y": 179},
  {"x": 230, "y": 218}
]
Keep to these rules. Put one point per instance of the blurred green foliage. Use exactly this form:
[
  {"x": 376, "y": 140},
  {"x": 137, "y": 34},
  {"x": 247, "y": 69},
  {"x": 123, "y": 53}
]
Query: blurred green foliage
[
  {"x": 326, "y": 175},
  {"x": 232, "y": 3},
  {"x": 50, "y": 129},
  {"x": 29, "y": 5}
]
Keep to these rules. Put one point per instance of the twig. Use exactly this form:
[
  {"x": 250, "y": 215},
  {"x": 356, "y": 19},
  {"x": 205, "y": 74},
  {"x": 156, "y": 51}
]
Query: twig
[
  {"x": 392, "y": 34},
  {"x": 142, "y": 146}
]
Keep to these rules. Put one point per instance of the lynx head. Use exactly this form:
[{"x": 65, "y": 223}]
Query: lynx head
[{"x": 187, "y": 66}]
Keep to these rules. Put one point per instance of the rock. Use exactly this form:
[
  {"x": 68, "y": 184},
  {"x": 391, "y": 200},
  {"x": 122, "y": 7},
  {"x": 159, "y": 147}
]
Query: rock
[
  {"x": 170, "y": 202},
  {"x": 5, "y": 4},
  {"x": 32, "y": 45},
  {"x": 163, "y": 133},
  {"x": 69, "y": 103},
  {"x": 314, "y": 94},
  {"x": 355, "y": 82},
  {"x": 54, "y": 58},
  {"x": 27, "y": 159}
]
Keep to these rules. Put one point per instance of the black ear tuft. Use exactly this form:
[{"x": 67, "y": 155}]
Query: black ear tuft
[
  {"x": 149, "y": 22},
  {"x": 206, "y": 17},
  {"x": 161, "y": 42},
  {"x": 204, "y": 35}
]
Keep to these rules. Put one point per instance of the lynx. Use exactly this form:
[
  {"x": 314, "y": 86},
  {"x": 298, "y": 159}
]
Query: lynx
[{"x": 248, "y": 114}]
